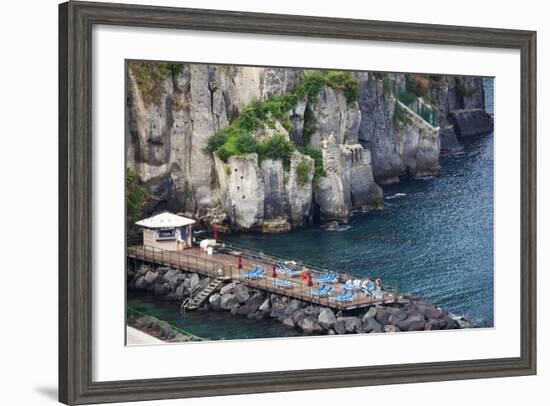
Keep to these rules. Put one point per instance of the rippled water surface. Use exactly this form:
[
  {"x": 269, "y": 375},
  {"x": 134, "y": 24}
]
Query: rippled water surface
[{"x": 434, "y": 237}]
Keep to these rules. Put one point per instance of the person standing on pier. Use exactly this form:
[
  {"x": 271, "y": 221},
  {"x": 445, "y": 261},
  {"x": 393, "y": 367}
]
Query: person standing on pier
[{"x": 305, "y": 274}]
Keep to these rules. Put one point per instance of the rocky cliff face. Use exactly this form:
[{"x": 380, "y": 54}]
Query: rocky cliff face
[
  {"x": 334, "y": 115},
  {"x": 371, "y": 140},
  {"x": 166, "y": 137},
  {"x": 417, "y": 143},
  {"x": 377, "y": 129},
  {"x": 461, "y": 103}
]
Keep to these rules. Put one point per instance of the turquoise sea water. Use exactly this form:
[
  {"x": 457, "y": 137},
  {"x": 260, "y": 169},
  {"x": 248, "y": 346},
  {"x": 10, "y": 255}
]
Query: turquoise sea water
[
  {"x": 212, "y": 325},
  {"x": 434, "y": 238}
]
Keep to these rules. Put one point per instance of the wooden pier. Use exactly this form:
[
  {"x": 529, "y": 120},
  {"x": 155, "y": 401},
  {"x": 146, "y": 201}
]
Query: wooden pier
[{"x": 225, "y": 264}]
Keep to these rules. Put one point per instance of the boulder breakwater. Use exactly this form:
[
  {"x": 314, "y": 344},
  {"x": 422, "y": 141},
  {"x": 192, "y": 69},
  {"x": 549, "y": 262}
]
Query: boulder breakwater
[{"x": 408, "y": 313}]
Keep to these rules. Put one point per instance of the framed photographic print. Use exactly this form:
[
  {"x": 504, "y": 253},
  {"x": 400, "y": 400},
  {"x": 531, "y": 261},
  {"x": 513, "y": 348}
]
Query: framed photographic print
[{"x": 259, "y": 202}]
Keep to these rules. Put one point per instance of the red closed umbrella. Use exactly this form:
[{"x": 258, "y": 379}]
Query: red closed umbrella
[
  {"x": 309, "y": 281},
  {"x": 215, "y": 232},
  {"x": 274, "y": 274},
  {"x": 240, "y": 262}
]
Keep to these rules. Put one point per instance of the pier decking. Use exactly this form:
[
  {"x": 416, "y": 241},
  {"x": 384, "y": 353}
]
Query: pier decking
[{"x": 225, "y": 264}]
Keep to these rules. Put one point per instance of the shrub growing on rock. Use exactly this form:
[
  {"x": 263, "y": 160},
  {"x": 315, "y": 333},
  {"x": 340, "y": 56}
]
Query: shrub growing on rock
[{"x": 302, "y": 170}]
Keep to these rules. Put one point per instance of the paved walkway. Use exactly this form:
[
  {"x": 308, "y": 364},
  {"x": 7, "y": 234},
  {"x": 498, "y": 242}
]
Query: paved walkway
[{"x": 136, "y": 337}]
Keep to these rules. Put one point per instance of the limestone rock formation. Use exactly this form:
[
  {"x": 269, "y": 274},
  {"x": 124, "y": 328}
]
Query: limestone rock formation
[
  {"x": 471, "y": 122},
  {"x": 333, "y": 191},
  {"x": 276, "y": 200},
  {"x": 375, "y": 140},
  {"x": 377, "y": 130},
  {"x": 365, "y": 193},
  {"x": 334, "y": 115},
  {"x": 242, "y": 190},
  {"x": 300, "y": 194},
  {"x": 418, "y": 145}
]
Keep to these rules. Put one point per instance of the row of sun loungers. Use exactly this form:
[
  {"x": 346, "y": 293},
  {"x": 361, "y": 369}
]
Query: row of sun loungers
[{"x": 348, "y": 293}]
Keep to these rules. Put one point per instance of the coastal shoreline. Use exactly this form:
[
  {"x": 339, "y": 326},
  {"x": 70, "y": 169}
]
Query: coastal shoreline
[
  {"x": 143, "y": 325},
  {"x": 408, "y": 313}
]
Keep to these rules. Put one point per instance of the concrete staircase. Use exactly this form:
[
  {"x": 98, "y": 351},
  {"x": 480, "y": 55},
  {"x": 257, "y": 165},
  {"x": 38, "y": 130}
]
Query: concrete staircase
[{"x": 201, "y": 293}]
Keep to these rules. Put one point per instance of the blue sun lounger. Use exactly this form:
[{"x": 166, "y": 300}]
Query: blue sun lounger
[
  {"x": 256, "y": 273},
  {"x": 323, "y": 291},
  {"x": 283, "y": 283},
  {"x": 282, "y": 267},
  {"x": 329, "y": 277},
  {"x": 319, "y": 291},
  {"x": 323, "y": 278},
  {"x": 346, "y": 296}
]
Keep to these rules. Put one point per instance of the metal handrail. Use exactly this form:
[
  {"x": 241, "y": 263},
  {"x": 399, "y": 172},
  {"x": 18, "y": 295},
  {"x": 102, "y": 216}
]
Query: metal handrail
[
  {"x": 228, "y": 272},
  {"x": 255, "y": 256}
]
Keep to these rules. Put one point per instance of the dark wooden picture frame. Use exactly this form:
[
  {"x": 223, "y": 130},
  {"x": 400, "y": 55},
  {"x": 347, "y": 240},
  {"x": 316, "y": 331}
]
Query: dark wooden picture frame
[{"x": 76, "y": 20}]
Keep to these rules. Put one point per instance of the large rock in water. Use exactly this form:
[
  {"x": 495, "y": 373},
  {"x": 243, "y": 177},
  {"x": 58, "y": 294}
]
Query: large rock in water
[
  {"x": 242, "y": 293},
  {"x": 150, "y": 277},
  {"x": 326, "y": 318},
  {"x": 471, "y": 122},
  {"x": 370, "y": 325},
  {"x": 229, "y": 288},
  {"x": 255, "y": 302},
  {"x": 194, "y": 281},
  {"x": 215, "y": 301},
  {"x": 351, "y": 324},
  {"x": 369, "y": 314},
  {"x": 173, "y": 276},
  {"x": 229, "y": 301},
  {"x": 309, "y": 325},
  {"x": 448, "y": 141}
]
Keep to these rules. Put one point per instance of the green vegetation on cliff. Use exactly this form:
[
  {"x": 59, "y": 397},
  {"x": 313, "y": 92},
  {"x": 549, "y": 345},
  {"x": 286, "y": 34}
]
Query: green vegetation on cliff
[
  {"x": 317, "y": 156},
  {"x": 135, "y": 197},
  {"x": 238, "y": 139},
  {"x": 302, "y": 170},
  {"x": 150, "y": 77}
]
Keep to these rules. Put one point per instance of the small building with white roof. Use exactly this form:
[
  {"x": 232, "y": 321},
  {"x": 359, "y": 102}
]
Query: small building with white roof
[{"x": 167, "y": 231}]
